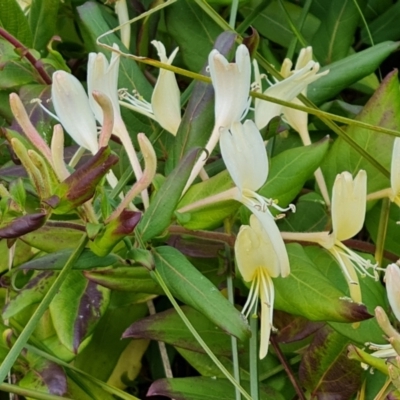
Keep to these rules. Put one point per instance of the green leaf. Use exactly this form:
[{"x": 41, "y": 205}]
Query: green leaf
[
  {"x": 168, "y": 327},
  {"x": 126, "y": 279},
  {"x": 55, "y": 261},
  {"x": 335, "y": 35},
  {"x": 325, "y": 368},
  {"x": 349, "y": 70},
  {"x": 194, "y": 289},
  {"x": 13, "y": 20},
  {"x": 43, "y": 22},
  {"x": 55, "y": 236},
  {"x": 373, "y": 295},
  {"x": 316, "y": 298},
  {"x": 393, "y": 229},
  {"x": 290, "y": 170},
  {"x": 77, "y": 308},
  {"x": 273, "y": 24},
  {"x": 385, "y": 26},
  {"x": 211, "y": 216},
  {"x": 158, "y": 216},
  {"x": 381, "y": 110},
  {"x": 203, "y": 388},
  {"x": 31, "y": 294},
  {"x": 193, "y": 30},
  {"x": 106, "y": 345}
]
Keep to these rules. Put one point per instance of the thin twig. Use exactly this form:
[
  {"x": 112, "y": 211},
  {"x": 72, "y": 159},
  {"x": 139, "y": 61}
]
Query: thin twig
[
  {"x": 37, "y": 64},
  {"x": 285, "y": 365}
]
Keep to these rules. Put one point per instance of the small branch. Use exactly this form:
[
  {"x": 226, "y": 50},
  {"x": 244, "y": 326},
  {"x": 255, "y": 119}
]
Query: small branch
[
  {"x": 37, "y": 64},
  {"x": 285, "y": 365},
  {"x": 213, "y": 236}
]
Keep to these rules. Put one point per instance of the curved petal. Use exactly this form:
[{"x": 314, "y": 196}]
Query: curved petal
[
  {"x": 231, "y": 83},
  {"x": 103, "y": 76},
  {"x": 349, "y": 199},
  {"x": 392, "y": 278},
  {"x": 287, "y": 90},
  {"x": 165, "y": 100},
  {"x": 72, "y": 108},
  {"x": 268, "y": 223},
  {"x": 267, "y": 302},
  {"x": 395, "y": 168},
  {"x": 245, "y": 156},
  {"x": 254, "y": 250}
]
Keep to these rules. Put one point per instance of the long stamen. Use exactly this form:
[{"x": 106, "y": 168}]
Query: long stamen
[
  {"x": 337, "y": 256},
  {"x": 246, "y": 308}
]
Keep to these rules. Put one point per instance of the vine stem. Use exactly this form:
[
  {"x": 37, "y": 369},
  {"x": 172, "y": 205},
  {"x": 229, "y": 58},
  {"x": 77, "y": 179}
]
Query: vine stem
[
  {"x": 199, "y": 339},
  {"x": 31, "y": 325},
  {"x": 286, "y": 367},
  {"x": 37, "y": 64}
]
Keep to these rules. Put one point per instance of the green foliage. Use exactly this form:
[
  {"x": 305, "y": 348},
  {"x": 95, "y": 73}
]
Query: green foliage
[{"x": 95, "y": 270}]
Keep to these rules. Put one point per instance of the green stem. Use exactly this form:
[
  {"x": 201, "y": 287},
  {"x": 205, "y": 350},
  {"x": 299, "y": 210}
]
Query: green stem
[
  {"x": 234, "y": 345},
  {"x": 34, "y": 394},
  {"x": 253, "y": 353},
  {"x": 233, "y": 15},
  {"x": 303, "y": 16},
  {"x": 31, "y": 325},
  {"x": 382, "y": 230},
  {"x": 199, "y": 339}
]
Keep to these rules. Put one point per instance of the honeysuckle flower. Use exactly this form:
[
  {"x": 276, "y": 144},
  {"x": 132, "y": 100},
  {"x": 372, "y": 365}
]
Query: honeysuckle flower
[
  {"x": 231, "y": 83},
  {"x": 165, "y": 106},
  {"x": 286, "y": 89},
  {"x": 258, "y": 262},
  {"x": 348, "y": 213},
  {"x": 392, "y": 279},
  {"x": 103, "y": 77},
  {"x": 73, "y": 110},
  {"x": 246, "y": 160},
  {"x": 165, "y": 100}
]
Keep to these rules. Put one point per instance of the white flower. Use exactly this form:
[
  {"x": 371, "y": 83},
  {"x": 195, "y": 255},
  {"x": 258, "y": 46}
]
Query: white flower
[
  {"x": 73, "y": 110},
  {"x": 231, "y": 83},
  {"x": 245, "y": 157},
  {"x": 165, "y": 106},
  {"x": 295, "y": 82},
  {"x": 258, "y": 262},
  {"x": 165, "y": 100},
  {"x": 395, "y": 172},
  {"x": 348, "y": 213},
  {"x": 392, "y": 279},
  {"x": 103, "y": 77}
]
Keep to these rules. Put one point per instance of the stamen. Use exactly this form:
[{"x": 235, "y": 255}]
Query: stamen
[
  {"x": 48, "y": 112},
  {"x": 247, "y": 306}
]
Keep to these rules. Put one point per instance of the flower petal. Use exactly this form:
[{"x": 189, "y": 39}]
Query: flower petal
[
  {"x": 254, "y": 250},
  {"x": 392, "y": 278},
  {"x": 72, "y": 108},
  {"x": 395, "y": 169},
  {"x": 268, "y": 223},
  {"x": 231, "y": 83},
  {"x": 287, "y": 90},
  {"x": 165, "y": 100},
  {"x": 267, "y": 300},
  {"x": 245, "y": 156},
  {"x": 349, "y": 199}
]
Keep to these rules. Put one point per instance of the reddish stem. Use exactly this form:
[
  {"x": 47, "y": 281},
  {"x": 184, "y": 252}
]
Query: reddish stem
[{"x": 37, "y": 64}]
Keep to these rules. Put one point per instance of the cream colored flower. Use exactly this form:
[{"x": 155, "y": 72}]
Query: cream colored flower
[
  {"x": 73, "y": 110},
  {"x": 231, "y": 83},
  {"x": 288, "y": 89},
  {"x": 348, "y": 213},
  {"x": 165, "y": 106},
  {"x": 258, "y": 262}
]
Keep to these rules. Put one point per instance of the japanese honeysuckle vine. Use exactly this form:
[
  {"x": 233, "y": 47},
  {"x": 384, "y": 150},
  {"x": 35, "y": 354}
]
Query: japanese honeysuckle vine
[{"x": 177, "y": 210}]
